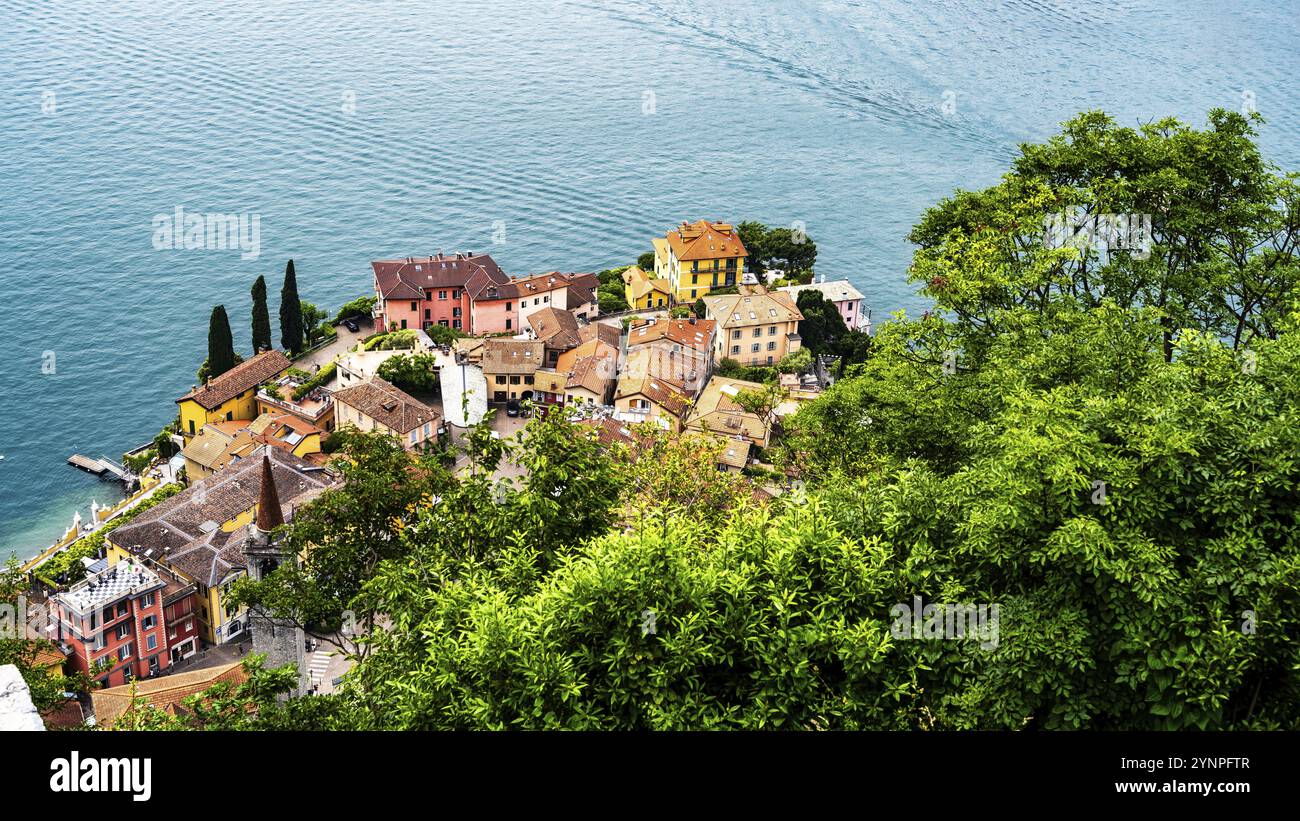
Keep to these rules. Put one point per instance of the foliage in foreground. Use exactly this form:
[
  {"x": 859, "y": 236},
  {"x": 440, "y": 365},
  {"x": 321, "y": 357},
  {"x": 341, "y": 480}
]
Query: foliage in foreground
[{"x": 1102, "y": 445}]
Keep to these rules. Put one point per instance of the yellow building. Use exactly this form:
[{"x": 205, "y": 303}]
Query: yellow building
[
  {"x": 199, "y": 533},
  {"x": 698, "y": 257},
  {"x": 716, "y": 411},
  {"x": 644, "y": 291},
  {"x": 754, "y": 327},
  {"x": 233, "y": 395},
  {"x": 217, "y": 444}
]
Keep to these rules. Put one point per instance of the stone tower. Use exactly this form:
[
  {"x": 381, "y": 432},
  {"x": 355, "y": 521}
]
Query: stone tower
[{"x": 281, "y": 641}]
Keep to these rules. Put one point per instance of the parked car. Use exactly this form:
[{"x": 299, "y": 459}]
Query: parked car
[
  {"x": 350, "y": 324},
  {"x": 512, "y": 407}
]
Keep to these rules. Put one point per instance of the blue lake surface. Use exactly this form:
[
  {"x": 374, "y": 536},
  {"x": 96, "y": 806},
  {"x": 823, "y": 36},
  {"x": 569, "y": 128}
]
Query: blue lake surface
[{"x": 356, "y": 130}]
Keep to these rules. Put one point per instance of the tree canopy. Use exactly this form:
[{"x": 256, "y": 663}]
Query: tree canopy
[
  {"x": 1092, "y": 440},
  {"x": 292, "y": 332}
]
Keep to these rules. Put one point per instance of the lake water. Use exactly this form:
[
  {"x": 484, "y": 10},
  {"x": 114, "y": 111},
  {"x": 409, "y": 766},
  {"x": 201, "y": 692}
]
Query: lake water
[{"x": 552, "y": 135}]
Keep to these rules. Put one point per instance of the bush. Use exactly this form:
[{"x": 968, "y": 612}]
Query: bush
[
  {"x": 323, "y": 377},
  {"x": 609, "y": 296},
  {"x": 732, "y": 369},
  {"x": 67, "y": 565},
  {"x": 140, "y": 462},
  {"x": 398, "y": 340},
  {"x": 411, "y": 372},
  {"x": 442, "y": 335},
  {"x": 163, "y": 444},
  {"x": 795, "y": 362}
]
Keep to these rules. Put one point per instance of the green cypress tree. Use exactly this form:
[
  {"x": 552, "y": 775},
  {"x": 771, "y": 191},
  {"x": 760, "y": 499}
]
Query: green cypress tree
[
  {"x": 261, "y": 318},
  {"x": 290, "y": 312},
  {"x": 221, "y": 347}
]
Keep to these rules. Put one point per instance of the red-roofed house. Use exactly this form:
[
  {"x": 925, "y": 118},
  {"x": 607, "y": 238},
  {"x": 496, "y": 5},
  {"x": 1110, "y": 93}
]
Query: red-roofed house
[{"x": 419, "y": 292}]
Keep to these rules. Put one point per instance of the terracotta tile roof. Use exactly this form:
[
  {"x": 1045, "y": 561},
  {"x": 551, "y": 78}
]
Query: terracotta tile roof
[
  {"x": 486, "y": 285},
  {"x": 580, "y": 295},
  {"x": 66, "y": 716},
  {"x": 667, "y": 394},
  {"x": 164, "y": 692},
  {"x": 248, "y": 374},
  {"x": 755, "y": 308},
  {"x": 696, "y": 335},
  {"x": 553, "y": 281},
  {"x": 211, "y": 446},
  {"x": 282, "y": 430},
  {"x": 387, "y": 404},
  {"x": 592, "y": 365},
  {"x": 550, "y": 381},
  {"x": 557, "y": 328},
  {"x": 705, "y": 240},
  {"x": 610, "y": 431},
  {"x": 48, "y": 655},
  {"x": 609, "y": 334},
  {"x": 717, "y": 411},
  {"x": 512, "y": 356},
  {"x": 185, "y": 532},
  {"x": 409, "y": 278}
]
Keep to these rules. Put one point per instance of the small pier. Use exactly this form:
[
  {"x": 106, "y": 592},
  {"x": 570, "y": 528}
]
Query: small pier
[{"x": 98, "y": 466}]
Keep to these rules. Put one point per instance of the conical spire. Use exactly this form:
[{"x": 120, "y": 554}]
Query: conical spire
[{"x": 269, "y": 514}]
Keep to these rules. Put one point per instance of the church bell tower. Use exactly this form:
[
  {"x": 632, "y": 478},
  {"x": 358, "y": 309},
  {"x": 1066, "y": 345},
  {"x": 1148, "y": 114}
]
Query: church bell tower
[{"x": 281, "y": 641}]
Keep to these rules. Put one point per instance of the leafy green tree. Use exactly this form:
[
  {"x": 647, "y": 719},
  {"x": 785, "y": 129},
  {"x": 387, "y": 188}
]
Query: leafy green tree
[
  {"x": 732, "y": 369},
  {"x": 315, "y": 322},
  {"x": 822, "y": 325},
  {"x": 292, "y": 333},
  {"x": 360, "y": 307},
  {"x": 753, "y": 235},
  {"x": 1113, "y": 471},
  {"x": 610, "y": 293},
  {"x": 261, "y": 317},
  {"x": 792, "y": 251},
  {"x": 221, "y": 347},
  {"x": 763, "y": 403},
  {"x": 343, "y": 536},
  {"x": 443, "y": 335},
  {"x": 257, "y": 703},
  {"x": 411, "y": 372},
  {"x": 795, "y": 362},
  {"x": 646, "y": 262},
  {"x": 1220, "y": 255}
]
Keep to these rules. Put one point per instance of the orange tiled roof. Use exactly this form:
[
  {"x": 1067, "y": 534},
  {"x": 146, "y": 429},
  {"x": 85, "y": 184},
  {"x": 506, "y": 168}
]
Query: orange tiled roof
[
  {"x": 165, "y": 692},
  {"x": 387, "y": 404},
  {"x": 706, "y": 240},
  {"x": 695, "y": 334},
  {"x": 242, "y": 377}
]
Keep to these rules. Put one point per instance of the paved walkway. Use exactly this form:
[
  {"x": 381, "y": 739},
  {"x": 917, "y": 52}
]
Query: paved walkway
[{"x": 345, "y": 340}]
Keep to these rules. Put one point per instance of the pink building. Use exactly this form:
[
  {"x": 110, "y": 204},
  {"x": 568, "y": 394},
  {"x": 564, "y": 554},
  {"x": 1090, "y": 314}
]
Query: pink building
[
  {"x": 847, "y": 299},
  {"x": 420, "y": 292}
]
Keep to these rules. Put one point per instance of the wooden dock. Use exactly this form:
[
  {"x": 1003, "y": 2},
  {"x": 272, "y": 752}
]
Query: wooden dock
[{"x": 97, "y": 466}]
